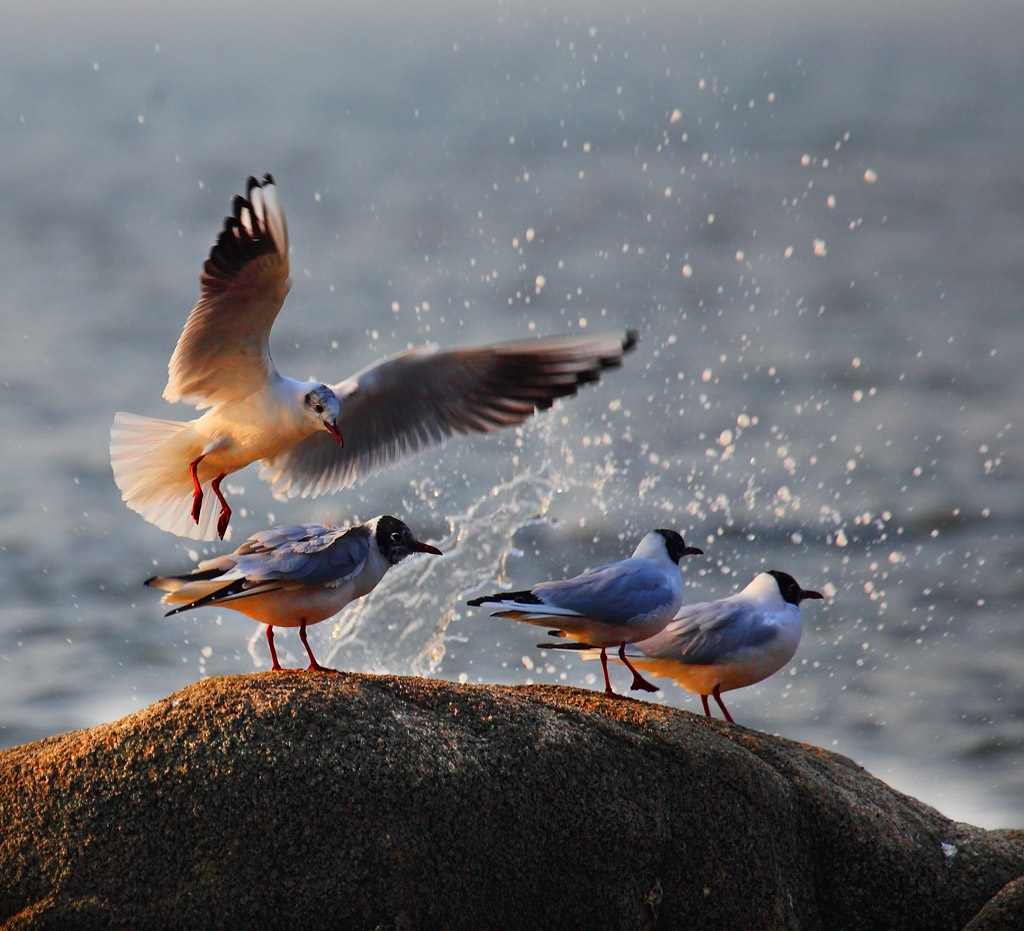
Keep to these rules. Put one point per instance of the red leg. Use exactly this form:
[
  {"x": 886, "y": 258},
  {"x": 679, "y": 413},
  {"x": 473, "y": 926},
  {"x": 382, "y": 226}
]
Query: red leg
[
  {"x": 273, "y": 652},
  {"x": 314, "y": 666},
  {"x": 608, "y": 690},
  {"x": 197, "y": 489},
  {"x": 639, "y": 682},
  {"x": 704, "y": 702},
  {"x": 225, "y": 511},
  {"x": 717, "y": 692}
]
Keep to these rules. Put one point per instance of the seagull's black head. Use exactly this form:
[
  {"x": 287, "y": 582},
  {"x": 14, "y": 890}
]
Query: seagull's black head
[
  {"x": 789, "y": 589},
  {"x": 396, "y": 541},
  {"x": 676, "y": 546},
  {"x": 322, "y": 406}
]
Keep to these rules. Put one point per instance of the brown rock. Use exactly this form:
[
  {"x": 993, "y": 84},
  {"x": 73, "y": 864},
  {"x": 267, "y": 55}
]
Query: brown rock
[
  {"x": 1003, "y": 912},
  {"x": 297, "y": 800}
]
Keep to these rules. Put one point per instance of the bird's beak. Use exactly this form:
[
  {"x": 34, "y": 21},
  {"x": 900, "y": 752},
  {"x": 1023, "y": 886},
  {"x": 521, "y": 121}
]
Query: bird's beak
[
  {"x": 806, "y": 594},
  {"x": 692, "y": 551},
  {"x": 333, "y": 430},
  {"x": 427, "y": 548}
]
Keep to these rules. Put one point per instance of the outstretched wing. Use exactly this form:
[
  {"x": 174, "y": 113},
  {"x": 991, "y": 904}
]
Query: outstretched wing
[
  {"x": 407, "y": 402},
  {"x": 224, "y": 350}
]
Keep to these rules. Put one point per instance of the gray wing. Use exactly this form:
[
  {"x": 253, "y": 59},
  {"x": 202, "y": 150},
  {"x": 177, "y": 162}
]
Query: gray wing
[
  {"x": 705, "y": 633},
  {"x": 224, "y": 350},
  {"x": 316, "y": 554},
  {"x": 419, "y": 398},
  {"x": 614, "y": 593}
]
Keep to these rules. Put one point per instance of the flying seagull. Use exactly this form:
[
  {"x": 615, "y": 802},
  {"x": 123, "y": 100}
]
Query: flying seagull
[{"x": 311, "y": 438}]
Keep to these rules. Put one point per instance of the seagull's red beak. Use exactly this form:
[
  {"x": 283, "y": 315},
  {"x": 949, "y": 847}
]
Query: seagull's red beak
[
  {"x": 333, "y": 430},
  {"x": 427, "y": 548}
]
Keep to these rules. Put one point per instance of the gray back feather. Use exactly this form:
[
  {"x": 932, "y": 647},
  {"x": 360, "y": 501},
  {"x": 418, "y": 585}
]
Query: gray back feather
[{"x": 314, "y": 554}]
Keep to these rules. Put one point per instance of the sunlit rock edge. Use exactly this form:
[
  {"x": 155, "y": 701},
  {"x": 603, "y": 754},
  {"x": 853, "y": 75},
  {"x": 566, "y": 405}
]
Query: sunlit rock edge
[{"x": 326, "y": 801}]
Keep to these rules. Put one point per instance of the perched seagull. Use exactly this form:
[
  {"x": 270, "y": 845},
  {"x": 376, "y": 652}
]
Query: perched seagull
[
  {"x": 715, "y": 646},
  {"x": 396, "y": 407},
  {"x": 615, "y": 604},
  {"x": 294, "y": 575}
]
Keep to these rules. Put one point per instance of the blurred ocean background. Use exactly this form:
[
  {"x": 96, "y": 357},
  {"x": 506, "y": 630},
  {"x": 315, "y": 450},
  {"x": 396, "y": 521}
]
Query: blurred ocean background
[{"x": 812, "y": 213}]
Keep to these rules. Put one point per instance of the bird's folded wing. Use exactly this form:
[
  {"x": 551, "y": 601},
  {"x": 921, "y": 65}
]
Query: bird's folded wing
[
  {"x": 419, "y": 398},
  {"x": 223, "y": 352},
  {"x": 611, "y": 594},
  {"x": 535, "y": 614},
  {"x": 236, "y": 590},
  {"x": 705, "y": 633},
  {"x": 313, "y": 554}
]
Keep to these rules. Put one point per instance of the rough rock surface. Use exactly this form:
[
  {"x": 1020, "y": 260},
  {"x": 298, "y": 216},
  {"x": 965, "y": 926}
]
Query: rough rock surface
[
  {"x": 1003, "y": 912},
  {"x": 297, "y": 800}
]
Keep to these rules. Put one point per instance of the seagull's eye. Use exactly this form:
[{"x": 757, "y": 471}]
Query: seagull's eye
[
  {"x": 396, "y": 536},
  {"x": 319, "y": 408}
]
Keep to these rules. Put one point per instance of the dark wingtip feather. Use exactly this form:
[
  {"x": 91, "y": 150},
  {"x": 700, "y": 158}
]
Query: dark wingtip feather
[
  {"x": 236, "y": 246},
  {"x": 230, "y": 588},
  {"x": 525, "y": 597},
  {"x": 613, "y": 362}
]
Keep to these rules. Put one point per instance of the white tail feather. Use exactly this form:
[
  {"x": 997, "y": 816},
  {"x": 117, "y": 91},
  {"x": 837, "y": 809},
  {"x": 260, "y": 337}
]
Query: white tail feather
[
  {"x": 168, "y": 583},
  {"x": 539, "y": 614},
  {"x": 147, "y": 457},
  {"x": 184, "y": 591}
]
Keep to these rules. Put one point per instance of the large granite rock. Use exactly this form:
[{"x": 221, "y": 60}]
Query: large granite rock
[{"x": 298, "y": 800}]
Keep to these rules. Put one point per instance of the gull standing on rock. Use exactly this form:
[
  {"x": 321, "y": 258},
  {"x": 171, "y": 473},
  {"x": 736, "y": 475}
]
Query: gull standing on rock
[
  {"x": 611, "y": 605},
  {"x": 716, "y": 646},
  {"x": 310, "y": 438},
  {"x": 293, "y": 576}
]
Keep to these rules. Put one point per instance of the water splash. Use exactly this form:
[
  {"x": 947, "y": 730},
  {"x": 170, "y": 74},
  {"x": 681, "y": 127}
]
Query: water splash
[{"x": 401, "y": 626}]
